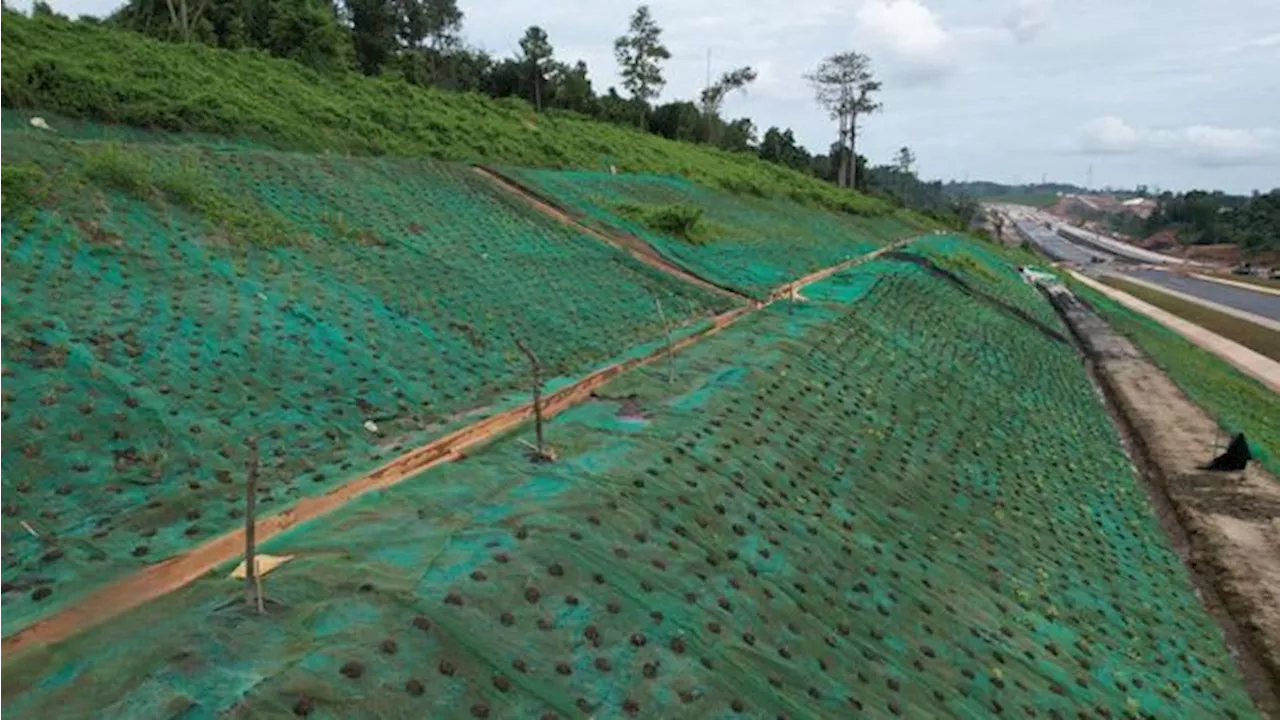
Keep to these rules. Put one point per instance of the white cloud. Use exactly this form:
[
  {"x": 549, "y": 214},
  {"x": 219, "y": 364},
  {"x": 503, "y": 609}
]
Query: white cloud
[
  {"x": 1027, "y": 19},
  {"x": 1108, "y": 134},
  {"x": 912, "y": 34},
  {"x": 1204, "y": 144},
  {"x": 922, "y": 48}
]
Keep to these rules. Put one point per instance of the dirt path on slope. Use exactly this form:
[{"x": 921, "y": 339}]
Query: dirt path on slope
[
  {"x": 175, "y": 572},
  {"x": 630, "y": 244},
  {"x": 1226, "y": 525}
]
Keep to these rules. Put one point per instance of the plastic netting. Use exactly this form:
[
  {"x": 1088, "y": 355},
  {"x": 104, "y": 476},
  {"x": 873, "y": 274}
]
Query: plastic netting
[
  {"x": 142, "y": 346},
  {"x": 893, "y": 500},
  {"x": 760, "y": 243},
  {"x": 1237, "y": 402},
  {"x": 990, "y": 267}
]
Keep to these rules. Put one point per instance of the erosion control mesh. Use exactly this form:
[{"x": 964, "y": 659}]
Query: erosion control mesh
[
  {"x": 340, "y": 310},
  {"x": 751, "y": 244},
  {"x": 894, "y": 500}
]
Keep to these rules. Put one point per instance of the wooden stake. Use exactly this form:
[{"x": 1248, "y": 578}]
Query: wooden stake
[
  {"x": 537, "y": 395},
  {"x": 252, "y": 584},
  {"x": 671, "y": 358}
]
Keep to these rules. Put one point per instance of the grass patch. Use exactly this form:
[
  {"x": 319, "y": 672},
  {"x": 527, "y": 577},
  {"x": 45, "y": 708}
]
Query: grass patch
[
  {"x": 133, "y": 172},
  {"x": 678, "y": 220},
  {"x": 110, "y": 165},
  {"x": 25, "y": 186},
  {"x": 1251, "y": 335}
]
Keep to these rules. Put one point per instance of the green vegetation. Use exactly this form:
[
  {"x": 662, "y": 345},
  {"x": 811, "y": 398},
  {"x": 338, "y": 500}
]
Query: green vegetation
[
  {"x": 1038, "y": 194},
  {"x": 679, "y": 220},
  {"x": 1237, "y": 402},
  {"x": 1251, "y": 335},
  {"x": 87, "y": 71},
  {"x": 25, "y": 187},
  {"x": 83, "y": 170},
  {"x": 113, "y": 167},
  {"x": 1040, "y": 200},
  {"x": 1209, "y": 218}
]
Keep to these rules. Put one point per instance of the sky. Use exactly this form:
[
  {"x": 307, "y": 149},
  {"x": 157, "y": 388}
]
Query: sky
[{"x": 1176, "y": 94}]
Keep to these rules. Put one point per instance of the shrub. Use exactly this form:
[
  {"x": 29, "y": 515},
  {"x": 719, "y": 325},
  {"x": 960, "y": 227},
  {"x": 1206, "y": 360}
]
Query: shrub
[
  {"x": 25, "y": 187},
  {"x": 112, "y": 166},
  {"x": 678, "y": 220}
]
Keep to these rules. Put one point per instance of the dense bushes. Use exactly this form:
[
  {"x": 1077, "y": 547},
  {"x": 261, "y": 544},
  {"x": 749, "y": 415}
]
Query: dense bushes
[{"x": 90, "y": 71}]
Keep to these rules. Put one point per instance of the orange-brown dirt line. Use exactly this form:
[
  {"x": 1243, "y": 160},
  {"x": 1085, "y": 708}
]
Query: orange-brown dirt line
[{"x": 174, "y": 573}]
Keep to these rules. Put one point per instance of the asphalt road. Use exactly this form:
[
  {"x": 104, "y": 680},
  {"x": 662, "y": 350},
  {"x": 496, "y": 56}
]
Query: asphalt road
[
  {"x": 1054, "y": 245},
  {"x": 1258, "y": 303}
]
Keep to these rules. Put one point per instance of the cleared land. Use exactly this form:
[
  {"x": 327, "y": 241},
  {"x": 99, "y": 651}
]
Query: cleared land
[
  {"x": 1226, "y": 522},
  {"x": 1237, "y": 402},
  {"x": 1251, "y": 335},
  {"x": 746, "y": 540}
]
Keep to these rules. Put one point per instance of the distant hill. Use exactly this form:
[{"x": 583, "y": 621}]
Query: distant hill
[{"x": 1038, "y": 195}]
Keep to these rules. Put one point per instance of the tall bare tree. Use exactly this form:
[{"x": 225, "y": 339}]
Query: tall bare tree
[
  {"x": 843, "y": 84},
  {"x": 714, "y": 94}
]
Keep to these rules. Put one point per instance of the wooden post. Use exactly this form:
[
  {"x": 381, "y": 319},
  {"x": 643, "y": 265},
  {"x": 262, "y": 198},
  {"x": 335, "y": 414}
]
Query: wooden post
[
  {"x": 537, "y": 395},
  {"x": 671, "y": 359},
  {"x": 252, "y": 584}
]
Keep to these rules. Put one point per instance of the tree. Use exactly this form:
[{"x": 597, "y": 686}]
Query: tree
[
  {"x": 616, "y": 109},
  {"x": 535, "y": 50},
  {"x": 676, "y": 121},
  {"x": 433, "y": 24},
  {"x": 185, "y": 16},
  {"x": 739, "y": 136},
  {"x": 639, "y": 54},
  {"x": 713, "y": 96},
  {"x": 374, "y": 26},
  {"x": 779, "y": 146},
  {"x": 572, "y": 88},
  {"x": 306, "y": 31},
  {"x": 843, "y": 84},
  {"x": 904, "y": 160}
]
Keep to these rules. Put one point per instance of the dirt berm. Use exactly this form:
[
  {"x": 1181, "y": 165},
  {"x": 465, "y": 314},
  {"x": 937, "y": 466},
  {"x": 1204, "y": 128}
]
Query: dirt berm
[{"x": 1226, "y": 525}]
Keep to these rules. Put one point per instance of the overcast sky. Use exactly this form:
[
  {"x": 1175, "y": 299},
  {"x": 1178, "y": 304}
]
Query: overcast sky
[{"x": 1173, "y": 94}]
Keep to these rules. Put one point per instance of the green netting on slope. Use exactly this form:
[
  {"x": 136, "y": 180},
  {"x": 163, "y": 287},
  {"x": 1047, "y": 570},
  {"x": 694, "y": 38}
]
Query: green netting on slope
[
  {"x": 756, "y": 244},
  {"x": 990, "y": 267},
  {"x": 891, "y": 501},
  {"x": 1237, "y": 402},
  {"x": 142, "y": 345}
]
